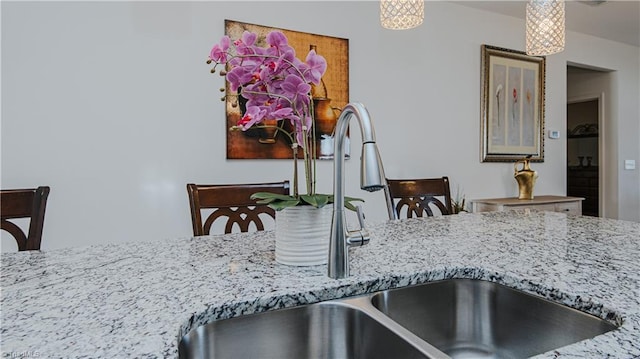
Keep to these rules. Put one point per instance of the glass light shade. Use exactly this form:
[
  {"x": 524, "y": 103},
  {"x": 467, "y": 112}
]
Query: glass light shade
[
  {"x": 401, "y": 14},
  {"x": 544, "y": 27}
]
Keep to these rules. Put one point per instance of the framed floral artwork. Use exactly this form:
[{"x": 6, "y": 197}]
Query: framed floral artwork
[
  {"x": 329, "y": 97},
  {"x": 512, "y": 105}
]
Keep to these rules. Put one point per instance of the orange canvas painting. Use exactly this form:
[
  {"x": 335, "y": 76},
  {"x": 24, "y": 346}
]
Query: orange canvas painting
[{"x": 329, "y": 97}]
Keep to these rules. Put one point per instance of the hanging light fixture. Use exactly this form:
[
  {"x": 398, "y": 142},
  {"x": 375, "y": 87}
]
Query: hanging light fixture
[
  {"x": 544, "y": 27},
  {"x": 401, "y": 14}
]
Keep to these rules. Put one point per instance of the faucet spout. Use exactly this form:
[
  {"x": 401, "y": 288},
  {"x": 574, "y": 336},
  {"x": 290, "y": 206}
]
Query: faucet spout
[{"x": 372, "y": 178}]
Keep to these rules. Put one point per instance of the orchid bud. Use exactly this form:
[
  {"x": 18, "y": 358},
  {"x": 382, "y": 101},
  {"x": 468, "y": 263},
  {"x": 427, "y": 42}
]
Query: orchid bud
[
  {"x": 213, "y": 70},
  {"x": 223, "y": 98},
  {"x": 223, "y": 73},
  {"x": 208, "y": 61},
  {"x": 221, "y": 89}
]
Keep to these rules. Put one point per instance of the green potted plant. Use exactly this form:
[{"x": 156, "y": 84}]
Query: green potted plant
[{"x": 458, "y": 202}]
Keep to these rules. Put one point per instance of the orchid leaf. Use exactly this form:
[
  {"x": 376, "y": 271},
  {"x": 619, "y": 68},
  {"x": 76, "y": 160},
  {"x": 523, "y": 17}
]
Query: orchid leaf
[
  {"x": 349, "y": 205},
  {"x": 280, "y": 201},
  {"x": 279, "y": 205},
  {"x": 316, "y": 200},
  {"x": 268, "y": 197},
  {"x": 347, "y": 202}
]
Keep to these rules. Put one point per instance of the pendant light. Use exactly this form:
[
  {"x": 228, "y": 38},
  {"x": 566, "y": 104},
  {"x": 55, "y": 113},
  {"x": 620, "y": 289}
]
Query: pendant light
[
  {"x": 544, "y": 27},
  {"x": 401, "y": 14}
]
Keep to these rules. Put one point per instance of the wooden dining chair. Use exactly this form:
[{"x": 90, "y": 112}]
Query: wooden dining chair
[
  {"x": 24, "y": 203},
  {"x": 409, "y": 197},
  {"x": 231, "y": 202}
]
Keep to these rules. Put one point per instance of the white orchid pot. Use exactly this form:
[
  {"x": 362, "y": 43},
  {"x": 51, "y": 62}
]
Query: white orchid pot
[{"x": 302, "y": 235}]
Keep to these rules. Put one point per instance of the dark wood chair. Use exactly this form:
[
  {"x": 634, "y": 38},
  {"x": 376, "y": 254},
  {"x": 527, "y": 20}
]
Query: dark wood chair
[
  {"x": 24, "y": 203},
  {"x": 231, "y": 202},
  {"x": 418, "y": 196}
]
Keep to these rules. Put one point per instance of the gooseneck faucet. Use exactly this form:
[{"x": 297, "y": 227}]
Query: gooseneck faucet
[{"x": 372, "y": 178}]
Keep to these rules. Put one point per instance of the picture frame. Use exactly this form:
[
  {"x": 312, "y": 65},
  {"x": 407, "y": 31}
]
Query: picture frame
[
  {"x": 333, "y": 95},
  {"x": 512, "y": 105}
]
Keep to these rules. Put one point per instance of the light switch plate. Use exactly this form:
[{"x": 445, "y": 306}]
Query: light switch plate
[
  {"x": 629, "y": 164},
  {"x": 554, "y": 134}
]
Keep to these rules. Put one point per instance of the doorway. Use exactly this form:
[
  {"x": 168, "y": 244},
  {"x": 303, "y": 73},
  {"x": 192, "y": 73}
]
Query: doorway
[{"x": 583, "y": 153}]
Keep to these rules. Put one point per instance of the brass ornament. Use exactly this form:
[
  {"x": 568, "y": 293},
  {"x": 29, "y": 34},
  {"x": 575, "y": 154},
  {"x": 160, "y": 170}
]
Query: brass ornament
[{"x": 526, "y": 178}]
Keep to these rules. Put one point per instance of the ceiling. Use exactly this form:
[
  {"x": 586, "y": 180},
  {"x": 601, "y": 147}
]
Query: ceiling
[{"x": 617, "y": 20}]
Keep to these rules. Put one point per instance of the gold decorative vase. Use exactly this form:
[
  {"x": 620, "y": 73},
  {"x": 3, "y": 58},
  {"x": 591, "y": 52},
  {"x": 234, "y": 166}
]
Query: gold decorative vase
[{"x": 526, "y": 178}]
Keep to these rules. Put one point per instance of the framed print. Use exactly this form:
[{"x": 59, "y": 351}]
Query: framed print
[
  {"x": 512, "y": 110},
  {"x": 329, "y": 97}
]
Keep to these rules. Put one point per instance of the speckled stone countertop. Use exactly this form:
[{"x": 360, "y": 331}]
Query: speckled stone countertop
[{"x": 135, "y": 300}]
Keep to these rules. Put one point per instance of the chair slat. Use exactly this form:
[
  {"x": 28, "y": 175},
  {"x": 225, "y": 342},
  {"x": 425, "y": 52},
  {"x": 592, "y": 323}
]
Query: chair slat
[
  {"x": 24, "y": 203},
  {"x": 230, "y": 203},
  {"x": 418, "y": 196}
]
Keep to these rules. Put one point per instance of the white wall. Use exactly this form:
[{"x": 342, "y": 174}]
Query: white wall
[{"x": 112, "y": 105}]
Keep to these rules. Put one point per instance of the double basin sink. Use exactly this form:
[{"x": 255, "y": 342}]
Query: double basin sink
[{"x": 454, "y": 318}]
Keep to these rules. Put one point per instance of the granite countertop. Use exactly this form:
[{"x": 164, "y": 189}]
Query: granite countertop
[{"x": 136, "y": 299}]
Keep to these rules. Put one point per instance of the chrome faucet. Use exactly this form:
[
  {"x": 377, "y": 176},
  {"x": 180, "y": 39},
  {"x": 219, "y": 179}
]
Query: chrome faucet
[{"x": 372, "y": 178}]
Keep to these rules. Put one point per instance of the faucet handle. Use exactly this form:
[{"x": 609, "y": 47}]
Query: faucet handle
[
  {"x": 360, "y": 214},
  {"x": 358, "y": 237}
]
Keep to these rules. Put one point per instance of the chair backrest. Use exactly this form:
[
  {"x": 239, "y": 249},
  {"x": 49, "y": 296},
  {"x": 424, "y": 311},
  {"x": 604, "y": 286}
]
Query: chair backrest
[
  {"x": 419, "y": 196},
  {"x": 24, "y": 203},
  {"x": 231, "y": 202}
]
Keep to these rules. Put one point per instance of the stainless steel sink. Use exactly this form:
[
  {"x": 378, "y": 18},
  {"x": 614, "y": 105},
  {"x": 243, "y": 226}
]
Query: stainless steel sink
[
  {"x": 458, "y": 318},
  {"x": 333, "y": 329},
  {"x": 477, "y": 319}
]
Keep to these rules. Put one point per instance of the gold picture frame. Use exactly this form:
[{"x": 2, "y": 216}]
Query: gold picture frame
[{"x": 512, "y": 105}]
